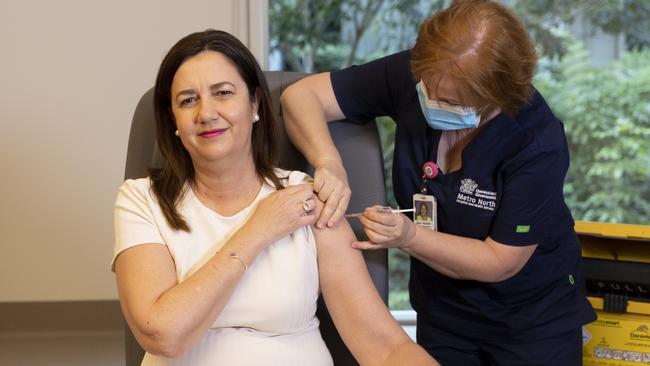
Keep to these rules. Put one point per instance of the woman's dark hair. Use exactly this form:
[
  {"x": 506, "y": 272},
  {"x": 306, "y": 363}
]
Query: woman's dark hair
[{"x": 169, "y": 182}]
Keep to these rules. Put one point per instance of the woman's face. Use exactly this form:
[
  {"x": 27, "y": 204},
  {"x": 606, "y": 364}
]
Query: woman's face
[
  {"x": 212, "y": 108},
  {"x": 423, "y": 210},
  {"x": 443, "y": 90}
]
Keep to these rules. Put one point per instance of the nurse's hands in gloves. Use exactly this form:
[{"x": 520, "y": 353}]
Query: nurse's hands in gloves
[
  {"x": 331, "y": 185},
  {"x": 385, "y": 229}
]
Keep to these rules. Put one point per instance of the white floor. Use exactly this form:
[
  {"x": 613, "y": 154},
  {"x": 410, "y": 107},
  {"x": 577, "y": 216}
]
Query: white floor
[{"x": 62, "y": 349}]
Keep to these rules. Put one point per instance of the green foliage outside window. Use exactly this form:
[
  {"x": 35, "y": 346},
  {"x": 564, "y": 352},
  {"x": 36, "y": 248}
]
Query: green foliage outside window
[{"x": 606, "y": 112}]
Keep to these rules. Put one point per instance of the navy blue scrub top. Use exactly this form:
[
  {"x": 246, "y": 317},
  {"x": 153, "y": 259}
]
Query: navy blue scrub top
[{"x": 509, "y": 188}]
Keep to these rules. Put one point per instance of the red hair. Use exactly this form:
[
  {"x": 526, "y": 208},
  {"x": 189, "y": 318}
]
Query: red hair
[{"x": 485, "y": 51}]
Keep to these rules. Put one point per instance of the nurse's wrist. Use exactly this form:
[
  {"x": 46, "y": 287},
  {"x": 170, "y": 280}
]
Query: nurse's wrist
[{"x": 328, "y": 159}]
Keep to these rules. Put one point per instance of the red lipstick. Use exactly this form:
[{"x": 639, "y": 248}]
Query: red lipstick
[{"x": 212, "y": 133}]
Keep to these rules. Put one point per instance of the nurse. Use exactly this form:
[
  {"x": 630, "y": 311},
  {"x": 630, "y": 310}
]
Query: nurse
[{"x": 497, "y": 280}]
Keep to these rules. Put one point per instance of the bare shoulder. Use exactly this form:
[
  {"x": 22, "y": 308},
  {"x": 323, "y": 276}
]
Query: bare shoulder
[{"x": 335, "y": 239}]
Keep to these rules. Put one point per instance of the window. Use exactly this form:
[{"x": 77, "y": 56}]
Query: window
[{"x": 594, "y": 71}]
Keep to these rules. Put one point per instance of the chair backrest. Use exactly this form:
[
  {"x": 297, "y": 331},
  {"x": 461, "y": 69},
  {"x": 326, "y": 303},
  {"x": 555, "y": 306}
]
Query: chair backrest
[{"x": 360, "y": 151}]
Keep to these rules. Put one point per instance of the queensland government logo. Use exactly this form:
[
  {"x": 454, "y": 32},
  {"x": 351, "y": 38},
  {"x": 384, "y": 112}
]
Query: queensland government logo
[
  {"x": 468, "y": 186},
  {"x": 469, "y": 194}
]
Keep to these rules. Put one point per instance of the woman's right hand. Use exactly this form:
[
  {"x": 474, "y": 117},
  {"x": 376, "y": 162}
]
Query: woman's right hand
[
  {"x": 331, "y": 185},
  {"x": 283, "y": 212}
]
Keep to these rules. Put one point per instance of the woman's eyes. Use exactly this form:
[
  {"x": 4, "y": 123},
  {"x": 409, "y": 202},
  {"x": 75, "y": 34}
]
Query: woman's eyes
[
  {"x": 453, "y": 104},
  {"x": 222, "y": 92},
  {"x": 187, "y": 101},
  {"x": 217, "y": 93}
]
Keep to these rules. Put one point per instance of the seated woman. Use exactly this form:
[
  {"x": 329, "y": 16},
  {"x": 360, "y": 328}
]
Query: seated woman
[{"x": 215, "y": 257}]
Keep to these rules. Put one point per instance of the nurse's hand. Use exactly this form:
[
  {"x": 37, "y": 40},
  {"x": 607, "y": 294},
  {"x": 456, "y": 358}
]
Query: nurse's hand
[
  {"x": 331, "y": 185},
  {"x": 385, "y": 229}
]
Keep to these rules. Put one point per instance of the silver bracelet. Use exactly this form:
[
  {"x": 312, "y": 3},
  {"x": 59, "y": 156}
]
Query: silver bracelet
[{"x": 234, "y": 255}]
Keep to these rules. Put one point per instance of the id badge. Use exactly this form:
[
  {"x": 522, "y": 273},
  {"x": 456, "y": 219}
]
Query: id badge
[{"x": 425, "y": 211}]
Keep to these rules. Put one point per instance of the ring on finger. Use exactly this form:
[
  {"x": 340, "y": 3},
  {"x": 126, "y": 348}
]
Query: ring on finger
[{"x": 306, "y": 206}]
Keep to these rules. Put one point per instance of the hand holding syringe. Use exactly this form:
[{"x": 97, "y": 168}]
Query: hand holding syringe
[{"x": 383, "y": 209}]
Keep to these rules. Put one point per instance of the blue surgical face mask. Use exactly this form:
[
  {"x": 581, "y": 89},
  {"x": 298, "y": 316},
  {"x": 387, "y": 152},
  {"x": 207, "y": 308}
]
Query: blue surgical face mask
[{"x": 444, "y": 116}]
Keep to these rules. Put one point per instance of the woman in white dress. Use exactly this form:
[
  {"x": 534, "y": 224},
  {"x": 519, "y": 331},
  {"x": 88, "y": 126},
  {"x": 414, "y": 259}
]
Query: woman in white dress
[{"x": 216, "y": 260}]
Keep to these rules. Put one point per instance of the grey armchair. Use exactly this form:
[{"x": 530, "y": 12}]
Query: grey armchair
[{"x": 361, "y": 153}]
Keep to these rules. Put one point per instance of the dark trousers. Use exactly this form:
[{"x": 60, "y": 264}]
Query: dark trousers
[{"x": 450, "y": 350}]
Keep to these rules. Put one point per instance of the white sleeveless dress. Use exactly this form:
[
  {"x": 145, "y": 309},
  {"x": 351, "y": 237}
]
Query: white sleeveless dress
[{"x": 270, "y": 317}]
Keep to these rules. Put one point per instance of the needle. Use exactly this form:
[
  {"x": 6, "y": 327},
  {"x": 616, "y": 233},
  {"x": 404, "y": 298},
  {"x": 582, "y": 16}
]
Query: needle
[{"x": 382, "y": 209}]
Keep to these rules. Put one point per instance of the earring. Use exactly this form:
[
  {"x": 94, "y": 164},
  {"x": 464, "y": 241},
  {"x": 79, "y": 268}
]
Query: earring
[
  {"x": 177, "y": 133},
  {"x": 256, "y": 118}
]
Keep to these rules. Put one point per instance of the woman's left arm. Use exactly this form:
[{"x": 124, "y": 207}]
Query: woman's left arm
[
  {"x": 360, "y": 315},
  {"x": 465, "y": 258},
  {"x": 454, "y": 256}
]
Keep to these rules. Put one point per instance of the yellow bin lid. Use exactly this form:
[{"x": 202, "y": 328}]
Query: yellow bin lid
[{"x": 628, "y": 231}]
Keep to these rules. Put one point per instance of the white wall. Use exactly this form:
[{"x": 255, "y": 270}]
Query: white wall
[{"x": 71, "y": 73}]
